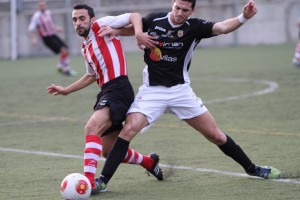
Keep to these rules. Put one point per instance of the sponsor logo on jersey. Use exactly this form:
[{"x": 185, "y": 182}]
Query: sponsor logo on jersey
[
  {"x": 154, "y": 34},
  {"x": 160, "y": 28},
  {"x": 169, "y": 58},
  {"x": 169, "y": 34},
  {"x": 171, "y": 45},
  {"x": 180, "y": 33},
  {"x": 156, "y": 56}
]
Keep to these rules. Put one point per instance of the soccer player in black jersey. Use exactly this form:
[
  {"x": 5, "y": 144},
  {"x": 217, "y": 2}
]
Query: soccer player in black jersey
[{"x": 166, "y": 85}]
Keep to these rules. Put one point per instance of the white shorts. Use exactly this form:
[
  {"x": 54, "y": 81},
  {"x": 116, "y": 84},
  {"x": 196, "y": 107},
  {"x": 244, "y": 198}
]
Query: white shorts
[{"x": 153, "y": 101}]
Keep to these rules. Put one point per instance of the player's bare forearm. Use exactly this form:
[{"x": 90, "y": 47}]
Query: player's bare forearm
[
  {"x": 136, "y": 21},
  {"x": 232, "y": 24},
  {"x": 32, "y": 37},
  {"x": 126, "y": 31},
  {"x": 85, "y": 81}
]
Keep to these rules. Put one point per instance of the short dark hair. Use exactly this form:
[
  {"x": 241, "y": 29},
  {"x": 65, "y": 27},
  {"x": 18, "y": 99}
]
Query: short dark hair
[
  {"x": 85, "y": 6},
  {"x": 192, "y": 1}
]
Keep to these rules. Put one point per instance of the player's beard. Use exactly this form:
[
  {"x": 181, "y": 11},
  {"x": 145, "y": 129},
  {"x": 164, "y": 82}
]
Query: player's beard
[{"x": 83, "y": 32}]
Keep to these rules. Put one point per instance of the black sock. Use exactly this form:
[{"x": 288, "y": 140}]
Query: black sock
[
  {"x": 231, "y": 149},
  {"x": 114, "y": 158}
]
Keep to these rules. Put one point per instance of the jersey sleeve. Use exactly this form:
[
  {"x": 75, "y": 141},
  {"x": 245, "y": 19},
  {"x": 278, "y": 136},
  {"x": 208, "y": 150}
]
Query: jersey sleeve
[
  {"x": 89, "y": 69},
  {"x": 204, "y": 28},
  {"x": 33, "y": 22},
  {"x": 115, "y": 21}
]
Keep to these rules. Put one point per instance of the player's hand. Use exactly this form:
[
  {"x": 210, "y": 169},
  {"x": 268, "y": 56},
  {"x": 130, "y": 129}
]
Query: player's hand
[
  {"x": 111, "y": 33},
  {"x": 59, "y": 29},
  {"x": 56, "y": 90},
  {"x": 145, "y": 40},
  {"x": 249, "y": 10},
  {"x": 34, "y": 42}
]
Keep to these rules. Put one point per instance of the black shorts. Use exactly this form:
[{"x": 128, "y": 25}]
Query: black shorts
[
  {"x": 54, "y": 43},
  {"x": 118, "y": 95}
]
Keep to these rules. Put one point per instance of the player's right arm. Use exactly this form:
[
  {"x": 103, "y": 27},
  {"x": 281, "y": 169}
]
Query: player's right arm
[
  {"x": 134, "y": 28},
  {"x": 31, "y": 29},
  {"x": 85, "y": 81},
  {"x": 33, "y": 38}
]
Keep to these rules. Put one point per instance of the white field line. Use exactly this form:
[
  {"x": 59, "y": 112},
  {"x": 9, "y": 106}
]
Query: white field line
[
  {"x": 272, "y": 86},
  {"x": 228, "y": 173}
]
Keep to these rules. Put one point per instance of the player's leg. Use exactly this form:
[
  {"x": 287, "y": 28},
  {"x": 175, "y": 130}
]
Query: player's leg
[
  {"x": 96, "y": 125},
  {"x": 206, "y": 125},
  {"x": 135, "y": 121},
  {"x": 64, "y": 60},
  {"x": 296, "y": 58},
  {"x": 133, "y": 124},
  {"x": 64, "y": 64},
  {"x": 132, "y": 156},
  {"x": 187, "y": 106},
  {"x": 59, "y": 47}
]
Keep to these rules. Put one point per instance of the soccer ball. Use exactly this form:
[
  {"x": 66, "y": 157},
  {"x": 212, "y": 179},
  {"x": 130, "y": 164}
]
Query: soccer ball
[{"x": 75, "y": 186}]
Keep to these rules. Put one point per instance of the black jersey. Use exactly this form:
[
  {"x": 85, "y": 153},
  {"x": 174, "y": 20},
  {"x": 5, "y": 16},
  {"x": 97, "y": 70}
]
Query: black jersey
[{"x": 169, "y": 62}]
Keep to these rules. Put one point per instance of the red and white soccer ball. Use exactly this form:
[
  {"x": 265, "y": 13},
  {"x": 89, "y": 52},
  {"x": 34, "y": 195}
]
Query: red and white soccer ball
[{"x": 75, "y": 186}]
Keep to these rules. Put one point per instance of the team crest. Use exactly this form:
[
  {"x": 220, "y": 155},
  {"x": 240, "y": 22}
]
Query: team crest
[{"x": 180, "y": 33}]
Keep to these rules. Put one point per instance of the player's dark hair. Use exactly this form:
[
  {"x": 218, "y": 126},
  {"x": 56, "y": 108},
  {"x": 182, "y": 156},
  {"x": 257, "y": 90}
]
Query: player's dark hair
[
  {"x": 192, "y": 1},
  {"x": 84, "y": 6}
]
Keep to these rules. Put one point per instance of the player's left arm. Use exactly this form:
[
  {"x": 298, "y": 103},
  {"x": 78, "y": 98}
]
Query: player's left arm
[
  {"x": 58, "y": 29},
  {"x": 232, "y": 24}
]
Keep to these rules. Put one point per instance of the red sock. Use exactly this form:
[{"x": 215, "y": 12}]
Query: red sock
[
  {"x": 63, "y": 56},
  {"x": 134, "y": 157},
  {"x": 92, "y": 152},
  {"x": 147, "y": 162}
]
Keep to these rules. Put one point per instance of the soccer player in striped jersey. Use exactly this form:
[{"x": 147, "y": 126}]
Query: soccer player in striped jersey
[
  {"x": 296, "y": 58},
  {"x": 43, "y": 22},
  {"x": 106, "y": 65},
  {"x": 166, "y": 86}
]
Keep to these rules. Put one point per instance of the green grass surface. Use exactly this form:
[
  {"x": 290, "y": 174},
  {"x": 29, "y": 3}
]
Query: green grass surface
[{"x": 267, "y": 127}]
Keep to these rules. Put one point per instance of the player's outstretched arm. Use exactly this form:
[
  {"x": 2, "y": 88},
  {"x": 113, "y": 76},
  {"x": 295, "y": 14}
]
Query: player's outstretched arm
[
  {"x": 232, "y": 24},
  {"x": 135, "y": 28},
  {"x": 85, "y": 81}
]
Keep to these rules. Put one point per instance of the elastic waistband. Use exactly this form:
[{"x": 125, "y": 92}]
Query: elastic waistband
[{"x": 119, "y": 78}]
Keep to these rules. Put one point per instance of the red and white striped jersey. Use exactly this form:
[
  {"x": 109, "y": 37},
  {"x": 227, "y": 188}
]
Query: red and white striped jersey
[
  {"x": 42, "y": 21},
  {"x": 105, "y": 58}
]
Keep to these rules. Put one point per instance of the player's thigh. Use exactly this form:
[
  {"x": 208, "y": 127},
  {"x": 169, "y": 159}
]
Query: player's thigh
[
  {"x": 186, "y": 104},
  {"x": 98, "y": 122}
]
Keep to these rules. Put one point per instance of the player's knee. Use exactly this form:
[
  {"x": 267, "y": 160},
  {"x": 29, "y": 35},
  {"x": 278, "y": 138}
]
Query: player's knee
[
  {"x": 88, "y": 129},
  {"x": 129, "y": 131},
  {"x": 91, "y": 129},
  {"x": 217, "y": 137}
]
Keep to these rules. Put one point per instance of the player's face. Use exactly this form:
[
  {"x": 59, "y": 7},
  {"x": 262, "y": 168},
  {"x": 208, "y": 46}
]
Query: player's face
[
  {"x": 42, "y": 5},
  {"x": 181, "y": 10},
  {"x": 82, "y": 22}
]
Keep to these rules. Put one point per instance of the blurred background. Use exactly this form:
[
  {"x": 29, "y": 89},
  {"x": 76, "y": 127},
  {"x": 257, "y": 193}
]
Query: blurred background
[{"x": 275, "y": 23}]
